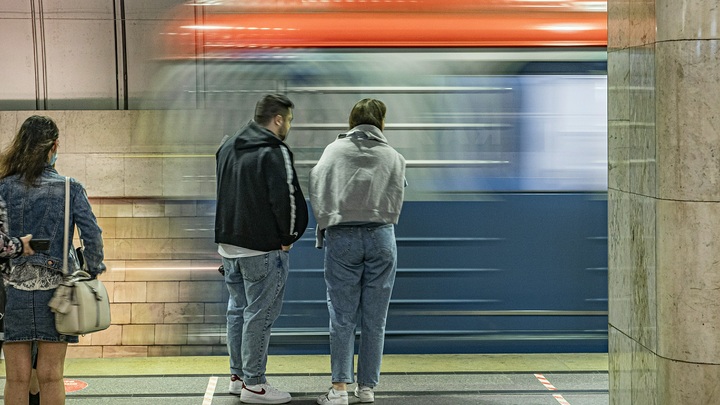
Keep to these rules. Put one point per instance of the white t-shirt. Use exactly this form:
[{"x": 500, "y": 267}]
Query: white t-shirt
[{"x": 232, "y": 251}]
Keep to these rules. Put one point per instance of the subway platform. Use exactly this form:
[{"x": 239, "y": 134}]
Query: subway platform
[{"x": 492, "y": 379}]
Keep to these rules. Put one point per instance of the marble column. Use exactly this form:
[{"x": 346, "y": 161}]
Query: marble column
[{"x": 664, "y": 201}]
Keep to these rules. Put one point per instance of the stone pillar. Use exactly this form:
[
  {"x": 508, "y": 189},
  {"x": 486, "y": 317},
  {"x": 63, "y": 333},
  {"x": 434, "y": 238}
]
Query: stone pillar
[{"x": 664, "y": 201}]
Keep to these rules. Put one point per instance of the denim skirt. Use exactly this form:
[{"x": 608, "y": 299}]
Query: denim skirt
[{"x": 28, "y": 317}]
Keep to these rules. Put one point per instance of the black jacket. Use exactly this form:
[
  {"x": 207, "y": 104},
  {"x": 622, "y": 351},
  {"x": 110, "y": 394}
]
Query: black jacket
[{"x": 260, "y": 205}]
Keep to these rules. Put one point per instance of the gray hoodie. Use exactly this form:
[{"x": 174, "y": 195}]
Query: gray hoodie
[{"x": 358, "y": 179}]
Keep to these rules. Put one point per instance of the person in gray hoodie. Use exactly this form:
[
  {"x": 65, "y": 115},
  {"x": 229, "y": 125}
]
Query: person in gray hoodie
[{"x": 356, "y": 193}]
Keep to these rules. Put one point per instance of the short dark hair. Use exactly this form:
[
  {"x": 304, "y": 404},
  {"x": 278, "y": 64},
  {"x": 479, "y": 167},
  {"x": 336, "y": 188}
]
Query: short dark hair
[
  {"x": 368, "y": 111},
  {"x": 270, "y": 106}
]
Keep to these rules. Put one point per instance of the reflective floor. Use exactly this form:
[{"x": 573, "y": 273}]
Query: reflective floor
[{"x": 507, "y": 379}]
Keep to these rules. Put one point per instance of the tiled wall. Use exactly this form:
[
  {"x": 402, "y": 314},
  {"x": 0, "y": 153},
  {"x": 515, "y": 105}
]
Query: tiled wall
[
  {"x": 663, "y": 202},
  {"x": 154, "y": 200}
]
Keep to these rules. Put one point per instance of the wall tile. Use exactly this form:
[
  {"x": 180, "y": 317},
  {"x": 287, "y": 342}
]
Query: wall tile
[
  {"x": 171, "y": 334},
  {"x": 15, "y": 10},
  {"x": 192, "y": 227},
  {"x": 133, "y": 335},
  {"x": 687, "y": 383},
  {"x": 151, "y": 228},
  {"x": 120, "y": 313},
  {"x": 117, "y": 249},
  {"x": 101, "y": 132},
  {"x": 114, "y": 207},
  {"x": 181, "y": 208},
  {"x": 687, "y": 19},
  {"x": 688, "y": 139},
  {"x": 159, "y": 270},
  {"x": 164, "y": 351},
  {"x": 130, "y": 292},
  {"x": 688, "y": 279},
  {"x": 84, "y": 352},
  {"x": 642, "y": 22},
  {"x": 105, "y": 175},
  {"x": 143, "y": 175},
  {"x": 215, "y": 313},
  {"x": 619, "y": 155},
  {"x": 192, "y": 176},
  {"x": 618, "y": 65},
  {"x": 73, "y": 165},
  {"x": 183, "y": 313},
  {"x": 8, "y": 127},
  {"x": 642, "y": 137},
  {"x": 143, "y": 249},
  {"x": 197, "y": 350},
  {"x": 201, "y": 334},
  {"x": 621, "y": 292},
  {"x": 207, "y": 270},
  {"x": 194, "y": 249},
  {"x": 124, "y": 227},
  {"x": 644, "y": 381},
  {"x": 162, "y": 291},
  {"x": 147, "y": 313},
  {"x": 108, "y": 337},
  {"x": 108, "y": 226},
  {"x": 618, "y": 24},
  {"x": 148, "y": 208},
  {"x": 202, "y": 291},
  {"x": 124, "y": 351},
  {"x": 643, "y": 270}
]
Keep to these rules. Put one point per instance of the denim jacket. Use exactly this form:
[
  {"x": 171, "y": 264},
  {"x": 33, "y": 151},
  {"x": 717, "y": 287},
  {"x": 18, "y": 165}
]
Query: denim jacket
[{"x": 40, "y": 211}]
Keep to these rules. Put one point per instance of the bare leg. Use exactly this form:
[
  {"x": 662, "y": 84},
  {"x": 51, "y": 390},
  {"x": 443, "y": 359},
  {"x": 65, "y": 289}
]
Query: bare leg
[
  {"x": 50, "y": 366},
  {"x": 18, "y": 365}
]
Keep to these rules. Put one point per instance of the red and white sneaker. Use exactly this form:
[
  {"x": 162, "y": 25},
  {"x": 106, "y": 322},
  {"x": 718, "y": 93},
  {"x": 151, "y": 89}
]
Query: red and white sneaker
[
  {"x": 263, "y": 394},
  {"x": 236, "y": 385}
]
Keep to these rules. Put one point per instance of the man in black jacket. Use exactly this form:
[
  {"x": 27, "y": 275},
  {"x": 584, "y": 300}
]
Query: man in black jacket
[{"x": 261, "y": 212}]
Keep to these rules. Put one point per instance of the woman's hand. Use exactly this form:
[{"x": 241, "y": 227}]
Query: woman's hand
[{"x": 27, "y": 250}]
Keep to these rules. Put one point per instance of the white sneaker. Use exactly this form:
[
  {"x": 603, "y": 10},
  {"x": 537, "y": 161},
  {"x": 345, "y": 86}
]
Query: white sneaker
[
  {"x": 263, "y": 394},
  {"x": 333, "y": 398},
  {"x": 365, "y": 394},
  {"x": 236, "y": 384}
]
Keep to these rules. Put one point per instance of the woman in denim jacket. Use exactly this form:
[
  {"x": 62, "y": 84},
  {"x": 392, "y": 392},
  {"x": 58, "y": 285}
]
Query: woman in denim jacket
[{"x": 35, "y": 197}]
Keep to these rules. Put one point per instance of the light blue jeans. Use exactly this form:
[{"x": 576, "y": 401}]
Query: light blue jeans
[
  {"x": 257, "y": 286},
  {"x": 360, "y": 266}
]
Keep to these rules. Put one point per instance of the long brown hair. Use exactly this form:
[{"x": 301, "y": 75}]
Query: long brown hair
[{"x": 28, "y": 153}]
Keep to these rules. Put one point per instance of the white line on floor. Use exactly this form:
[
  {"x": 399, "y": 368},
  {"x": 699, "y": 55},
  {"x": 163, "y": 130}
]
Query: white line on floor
[{"x": 210, "y": 391}]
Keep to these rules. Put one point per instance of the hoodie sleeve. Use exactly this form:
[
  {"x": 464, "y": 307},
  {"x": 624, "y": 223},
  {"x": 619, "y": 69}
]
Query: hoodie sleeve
[{"x": 279, "y": 176}]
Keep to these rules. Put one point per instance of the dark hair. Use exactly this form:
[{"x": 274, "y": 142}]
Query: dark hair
[
  {"x": 27, "y": 155},
  {"x": 270, "y": 106},
  {"x": 368, "y": 111}
]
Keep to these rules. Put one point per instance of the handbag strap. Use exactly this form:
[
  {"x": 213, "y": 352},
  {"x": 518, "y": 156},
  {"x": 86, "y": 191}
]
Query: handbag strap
[{"x": 66, "y": 245}]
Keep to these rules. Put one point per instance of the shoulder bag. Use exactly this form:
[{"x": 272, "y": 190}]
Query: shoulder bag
[{"x": 80, "y": 303}]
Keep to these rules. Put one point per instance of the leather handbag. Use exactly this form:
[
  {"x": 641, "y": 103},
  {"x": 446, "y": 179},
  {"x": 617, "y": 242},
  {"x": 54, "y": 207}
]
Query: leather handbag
[{"x": 80, "y": 303}]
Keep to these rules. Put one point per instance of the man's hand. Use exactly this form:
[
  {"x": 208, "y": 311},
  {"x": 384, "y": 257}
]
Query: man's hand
[{"x": 286, "y": 248}]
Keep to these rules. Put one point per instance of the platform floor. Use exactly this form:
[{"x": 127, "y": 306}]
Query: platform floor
[{"x": 498, "y": 379}]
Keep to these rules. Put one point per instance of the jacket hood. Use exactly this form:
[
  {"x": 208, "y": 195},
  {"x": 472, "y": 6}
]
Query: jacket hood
[
  {"x": 253, "y": 136},
  {"x": 365, "y": 131}
]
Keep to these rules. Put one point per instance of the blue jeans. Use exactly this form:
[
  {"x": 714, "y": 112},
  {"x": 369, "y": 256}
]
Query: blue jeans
[
  {"x": 360, "y": 266},
  {"x": 257, "y": 286}
]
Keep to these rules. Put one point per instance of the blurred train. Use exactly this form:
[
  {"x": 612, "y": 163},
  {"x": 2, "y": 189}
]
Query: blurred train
[{"x": 499, "y": 107}]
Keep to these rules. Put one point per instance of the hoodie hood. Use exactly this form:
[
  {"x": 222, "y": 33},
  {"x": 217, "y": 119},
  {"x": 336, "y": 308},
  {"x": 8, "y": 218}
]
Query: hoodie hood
[
  {"x": 254, "y": 136},
  {"x": 365, "y": 131}
]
